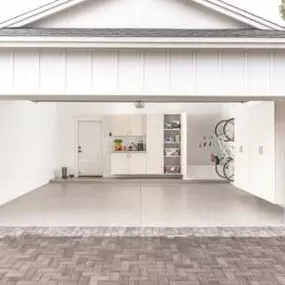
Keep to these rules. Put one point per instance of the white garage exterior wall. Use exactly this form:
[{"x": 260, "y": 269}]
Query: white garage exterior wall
[
  {"x": 27, "y": 147},
  {"x": 201, "y": 122},
  {"x": 160, "y": 72}
]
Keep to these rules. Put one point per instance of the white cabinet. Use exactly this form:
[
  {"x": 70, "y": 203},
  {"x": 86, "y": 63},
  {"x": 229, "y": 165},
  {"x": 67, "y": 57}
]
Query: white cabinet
[
  {"x": 128, "y": 163},
  {"x": 255, "y": 156},
  {"x": 137, "y": 125},
  {"x": 154, "y": 144},
  {"x": 119, "y": 164},
  {"x": 127, "y": 125},
  {"x": 119, "y": 125},
  {"x": 137, "y": 163}
]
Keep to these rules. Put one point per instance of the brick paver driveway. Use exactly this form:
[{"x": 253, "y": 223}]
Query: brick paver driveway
[{"x": 29, "y": 259}]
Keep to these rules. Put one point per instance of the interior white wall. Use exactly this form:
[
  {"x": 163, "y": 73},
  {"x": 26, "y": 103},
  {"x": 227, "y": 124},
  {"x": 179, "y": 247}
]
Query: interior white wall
[
  {"x": 27, "y": 147},
  {"x": 139, "y": 14},
  {"x": 201, "y": 122}
]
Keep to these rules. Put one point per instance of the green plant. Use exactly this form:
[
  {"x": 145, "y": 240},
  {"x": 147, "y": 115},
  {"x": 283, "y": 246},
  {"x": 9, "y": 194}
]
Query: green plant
[{"x": 282, "y": 9}]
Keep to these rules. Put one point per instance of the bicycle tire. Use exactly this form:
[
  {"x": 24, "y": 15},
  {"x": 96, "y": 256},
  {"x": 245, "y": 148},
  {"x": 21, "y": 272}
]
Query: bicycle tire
[
  {"x": 229, "y": 138},
  {"x": 219, "y": 168},
  {"x": 229, "y": 177},
  {"x": 217, "y": 128}
]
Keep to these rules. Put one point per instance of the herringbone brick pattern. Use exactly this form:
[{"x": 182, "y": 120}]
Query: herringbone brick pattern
[{"x": 33, "y": 260}]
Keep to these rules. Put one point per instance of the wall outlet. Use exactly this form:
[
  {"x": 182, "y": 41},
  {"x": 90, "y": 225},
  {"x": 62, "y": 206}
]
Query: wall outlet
[{"x": 241, "y": 148}]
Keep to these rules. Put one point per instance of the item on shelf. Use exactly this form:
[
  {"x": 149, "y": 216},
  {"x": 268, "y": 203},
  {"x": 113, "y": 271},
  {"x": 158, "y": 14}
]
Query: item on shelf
[
  {"x": 175, "y": 125},
  {"x": 168, "y": 139},
  {"x": 140, "y": 146},
  {"x": 172, "y": 169},
  {"x": 118, "y": 145},
  {"x": 177, "y": 139},
  {"x": 167, "y": 126},
  {"x": 172, "y": 152}
]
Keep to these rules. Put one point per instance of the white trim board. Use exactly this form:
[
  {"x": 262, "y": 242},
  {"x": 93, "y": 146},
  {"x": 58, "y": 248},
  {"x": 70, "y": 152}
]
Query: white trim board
[
  {"x": 215, "y": 5},
  {"x": 145, "y": 43}
]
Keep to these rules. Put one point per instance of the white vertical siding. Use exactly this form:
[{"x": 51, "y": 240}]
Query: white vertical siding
[
  {"x": 136, "y": 72},
  {"x": 156, "y": 68},
  {"x": 233, "y": 70},
  {"x": 6, "y": 70},
  {"x": 52, "y": 70},
  {"x": 130, "y": 71},
  {"x": 182, "y": 71},
  {"x": 26, "y": 70},
  {"x": 105, "y": 71},
  {"x": 208, "y": 73},
  {"x": 78, "y": 70},
  {"x": 258, "y": 72}
]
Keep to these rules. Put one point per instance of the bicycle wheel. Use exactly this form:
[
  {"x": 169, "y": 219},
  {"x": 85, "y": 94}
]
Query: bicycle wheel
[
  {"x": 219, "y": 129},
  {"x": 229, "y": 130},
  {"x": 229, "y": 170},
  {"x": 219, "y": 168}
]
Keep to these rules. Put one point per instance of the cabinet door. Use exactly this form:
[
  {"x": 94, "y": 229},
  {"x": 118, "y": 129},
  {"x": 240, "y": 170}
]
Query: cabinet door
[
  {"x": 137, "y": 125},
  {"x": 137, "y": 163},
  {"x": 119, "y": 164},
  {"x": 154, "y": 144},
  {"x": 119, "y": 125}
]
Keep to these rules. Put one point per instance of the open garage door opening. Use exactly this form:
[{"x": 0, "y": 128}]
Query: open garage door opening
[{"x": 142, "y": 164}]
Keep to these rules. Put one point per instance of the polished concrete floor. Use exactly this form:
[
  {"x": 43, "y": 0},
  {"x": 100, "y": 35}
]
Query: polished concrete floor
[{"x": 137, "y": 203}]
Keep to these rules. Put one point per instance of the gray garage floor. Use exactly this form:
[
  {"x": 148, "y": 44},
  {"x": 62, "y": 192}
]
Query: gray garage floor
[{"x": 139, "y": 204}]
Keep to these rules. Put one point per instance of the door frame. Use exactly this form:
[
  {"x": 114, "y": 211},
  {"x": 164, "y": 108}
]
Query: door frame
[{"x": 77, "y": 120}]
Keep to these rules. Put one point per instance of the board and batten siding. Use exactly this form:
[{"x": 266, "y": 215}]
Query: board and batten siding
[{"x": 135, "y": 72}]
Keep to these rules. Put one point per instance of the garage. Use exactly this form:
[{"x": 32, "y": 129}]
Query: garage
[
  {"x": 141, "y": 143},
  {"x": 114, "y": 124}
]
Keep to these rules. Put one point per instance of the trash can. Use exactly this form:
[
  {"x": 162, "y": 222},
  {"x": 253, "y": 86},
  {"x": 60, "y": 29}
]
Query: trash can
[{"x": 64, "y": 173}]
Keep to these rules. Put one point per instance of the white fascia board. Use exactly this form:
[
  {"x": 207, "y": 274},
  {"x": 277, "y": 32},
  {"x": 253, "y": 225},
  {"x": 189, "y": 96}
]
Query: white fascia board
[
  {"x": 238, "y": 14},
  {"x": 87, "y": 42},
  {"x": 39, "y": 13}
]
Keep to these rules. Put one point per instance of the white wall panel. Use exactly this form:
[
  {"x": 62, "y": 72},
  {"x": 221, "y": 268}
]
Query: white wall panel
[
  {"x": 52, "y": 70},
  {"x": 78, "y": 70},
  {"x": 156, "y": 72},
  {"x": 130, "y": 71},
  {"x": 278, "y": 72},
  {"x": 105, "y": 71},
  {"x": 148, "y": 72},
  {"x": 26, "y": 70},
  {"x": 233, "y": 72},
  {"x": 258, "y": 72},
  {"x": 208, "y": 73},
  {"x": 182, "y": 71},
  {"x": 6, "y": 70}
]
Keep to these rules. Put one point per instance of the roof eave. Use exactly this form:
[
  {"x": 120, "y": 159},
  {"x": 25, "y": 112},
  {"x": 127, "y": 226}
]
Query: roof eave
[{"x": 158, "y": 43}]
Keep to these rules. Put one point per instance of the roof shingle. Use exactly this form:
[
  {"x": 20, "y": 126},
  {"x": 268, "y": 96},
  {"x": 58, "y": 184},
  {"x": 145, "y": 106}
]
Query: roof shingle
[{"x": 142, "y": 33}]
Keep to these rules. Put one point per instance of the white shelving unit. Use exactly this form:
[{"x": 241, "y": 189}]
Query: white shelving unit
[{"x": 172, "y": 144}]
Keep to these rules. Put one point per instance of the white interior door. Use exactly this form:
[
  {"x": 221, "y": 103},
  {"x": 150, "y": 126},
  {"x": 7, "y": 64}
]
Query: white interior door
[
  {"x": 90, "y": 148},
  {"x": 184, "y": 164}
]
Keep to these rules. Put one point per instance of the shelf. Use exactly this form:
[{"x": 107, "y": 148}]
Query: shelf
[
  {"x": 172, "y": 130},
  {"x": 173, "y": 156},
  {"x": 172, "y": 143}
]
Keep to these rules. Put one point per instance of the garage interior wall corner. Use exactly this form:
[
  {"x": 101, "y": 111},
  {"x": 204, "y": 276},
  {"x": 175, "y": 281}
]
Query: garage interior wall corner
[{"x": 27, "y": 147}]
